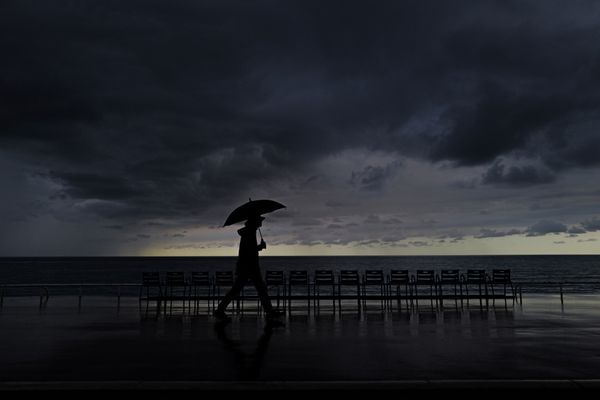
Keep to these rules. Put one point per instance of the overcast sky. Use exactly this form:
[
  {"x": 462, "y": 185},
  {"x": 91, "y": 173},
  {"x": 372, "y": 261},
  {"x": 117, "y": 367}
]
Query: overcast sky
[{"x": 385, "y": 127}]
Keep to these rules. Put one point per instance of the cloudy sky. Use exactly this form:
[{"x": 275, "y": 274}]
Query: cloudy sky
[{"x": 386, "y": 127}]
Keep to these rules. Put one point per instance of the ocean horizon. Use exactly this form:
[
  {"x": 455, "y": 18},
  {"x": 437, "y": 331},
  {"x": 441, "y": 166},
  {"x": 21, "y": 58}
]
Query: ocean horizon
[{"x": 128, "y": 269}]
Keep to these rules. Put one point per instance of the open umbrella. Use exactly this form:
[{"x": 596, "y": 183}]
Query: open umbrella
[{"x": 252, "y": 208}]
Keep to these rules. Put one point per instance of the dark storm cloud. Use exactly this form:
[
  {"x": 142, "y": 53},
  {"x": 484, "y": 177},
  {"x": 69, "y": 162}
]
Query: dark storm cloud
[
  {"x": 490, "y": 233},
  {"x": 592, "y": 224},
  {"x": 516, "y": 175},
  {"x": 148, "y": 109},
  {"x": 545, "y": 227},
  {"x": 575, "y": 230},
  {"x": 373, "y": 177}
]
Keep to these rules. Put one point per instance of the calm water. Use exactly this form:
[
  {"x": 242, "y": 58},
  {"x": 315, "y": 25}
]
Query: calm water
[{"x": 129, "y": 269}]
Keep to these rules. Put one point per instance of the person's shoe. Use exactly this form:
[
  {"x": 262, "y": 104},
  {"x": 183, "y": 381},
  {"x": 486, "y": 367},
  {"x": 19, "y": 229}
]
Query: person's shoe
[{"x": 221, "y": 316}]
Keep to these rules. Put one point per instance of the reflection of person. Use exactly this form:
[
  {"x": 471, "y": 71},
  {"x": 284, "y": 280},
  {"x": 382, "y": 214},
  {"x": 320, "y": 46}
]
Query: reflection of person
[
  {"x": 248, "y": 269},
  {"x": 248, "y": 364}
]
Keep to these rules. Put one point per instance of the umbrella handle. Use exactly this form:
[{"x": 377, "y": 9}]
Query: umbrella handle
[{"x": 260, "y": 233}]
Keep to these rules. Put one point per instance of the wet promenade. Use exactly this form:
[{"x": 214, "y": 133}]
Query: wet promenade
[{"x": 98, "y": 342}]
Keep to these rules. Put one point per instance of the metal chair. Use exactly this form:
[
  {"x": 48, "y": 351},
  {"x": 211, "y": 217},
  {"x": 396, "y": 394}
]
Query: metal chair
[
  {"x": 476, "y": 277},
  {"x": 399, "y": 278},
  {"x": 449, "y": 277},
  {"x": 373, "y": 278},
  {"x": 298, "y": 279},
  {"x": 323, "y": 278},
  {"x": 150, "y": 280},
  {"x": 222, "y": 279},
  {"x": 424, "y": 277},
  {"x": 276, "y": 279},
  {"x": 501, "y": 277},
  {"x": 175, "y": 280},
  {"x": 200, "y": 280},
  {"x": 349, "y": 278}
]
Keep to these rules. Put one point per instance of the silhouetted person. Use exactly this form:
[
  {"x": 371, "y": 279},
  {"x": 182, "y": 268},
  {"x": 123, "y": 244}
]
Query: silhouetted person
[{"x": 248, "y": 269}]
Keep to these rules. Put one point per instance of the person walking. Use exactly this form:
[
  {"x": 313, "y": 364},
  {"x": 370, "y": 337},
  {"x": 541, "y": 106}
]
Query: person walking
[{"x": 248, "y": 268}]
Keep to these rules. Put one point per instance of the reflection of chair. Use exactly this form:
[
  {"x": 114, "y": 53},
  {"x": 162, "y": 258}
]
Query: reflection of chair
[
  {"x": 399, "y": 278},
  {"x": 200, "y": 280},
  {"x": 501, "y": 277},
  {"x": 475, "y": 277},
  {"x": 295, "y": 279},
  {"x": 373, "y": 279},
  {"x": 424, "y": 277},
  {"x": 175, "y": 280},
  {"x": 276, "y": 279},
  {"x": 150, "y": 280},
  {"x": 449, "y": 277},
  {"x": 222, "y": 279},
  {"x": 349, "y": 278},
  {"x": 323, "y": 278}
]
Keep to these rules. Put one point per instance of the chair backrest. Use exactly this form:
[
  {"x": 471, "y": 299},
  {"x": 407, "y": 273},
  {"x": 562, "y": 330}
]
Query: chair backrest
[
  {"x": 150, "y": 279},
  {"x": 476, "y": 276},
  {"x": 373, "y": 277},
  {"x": 298, "y": 278},
  {"x": 449, "y": 276},
  {"x": 348, "y": 277},
  {"x": 200, "y": 278},
  {"x": 223, "y": 278},
  {"x": 399, "y": 277},
  {"x": 324, "y": 277},
  {"x": 501, "y": 276},
  {"x": 175, "y": 278},
  {"x": 274, "y": 278},
  {"x": 425, "y": 276}
]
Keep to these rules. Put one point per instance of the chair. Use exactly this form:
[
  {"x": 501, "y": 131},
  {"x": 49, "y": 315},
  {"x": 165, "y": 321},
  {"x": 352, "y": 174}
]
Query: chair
[
  {"x": 476, "y": 277},
  {"x": 424, "y": 277},
  {"x": 449, "y": 277},
  {"x": 298, "y": 278},
  {"x": 323, "y": 278},
  {"x": 200, "y": 280},
  {"x": 501, "y": 277},
  {"x": 399, "y": 278},
  {"x": 150, "y": 280},
  {"x": 276, "y": 279},
  {"x": 349, "y": 278},
  {"x": 175, "y": 280},
  {"x": 222, "y": 279},
  {"x": 373, "y": 278}
]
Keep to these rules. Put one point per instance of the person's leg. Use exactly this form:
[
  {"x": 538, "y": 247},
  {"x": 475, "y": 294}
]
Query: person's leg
[
  {"x": 238, "y": 284},
  {"x": 261, "y": 289}
]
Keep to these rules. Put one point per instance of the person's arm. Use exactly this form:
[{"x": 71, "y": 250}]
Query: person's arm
[{"x": 262, "y": 245}]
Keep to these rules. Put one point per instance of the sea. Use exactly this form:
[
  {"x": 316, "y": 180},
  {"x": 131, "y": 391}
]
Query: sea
[{"x": 537, "y": 273}]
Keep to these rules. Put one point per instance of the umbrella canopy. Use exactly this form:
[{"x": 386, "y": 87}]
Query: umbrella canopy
[{"x": 252, "y": 208}]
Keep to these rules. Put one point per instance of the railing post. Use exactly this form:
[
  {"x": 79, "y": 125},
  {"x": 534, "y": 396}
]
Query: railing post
[
  {"x": 119, "y": 296},
  {"x": 520, "y": 294},
  {"x": 80, "y": 294},
  {"x": 561, "y": 294}
]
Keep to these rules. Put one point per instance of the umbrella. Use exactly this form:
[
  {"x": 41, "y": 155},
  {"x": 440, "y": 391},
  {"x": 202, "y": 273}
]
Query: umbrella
[{"x": 252, "y": 208}]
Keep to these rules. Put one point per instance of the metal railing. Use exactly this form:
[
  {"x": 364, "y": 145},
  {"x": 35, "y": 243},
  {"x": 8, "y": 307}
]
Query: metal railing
[{"x": 44, "y": 290}]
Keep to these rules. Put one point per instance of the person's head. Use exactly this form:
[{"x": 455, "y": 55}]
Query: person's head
[{"x": 254, "y": 222}]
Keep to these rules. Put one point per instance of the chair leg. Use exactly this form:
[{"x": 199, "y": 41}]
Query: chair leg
[
  {"x": 358, "y": 299},
  {"x": 308, "y": 295}
]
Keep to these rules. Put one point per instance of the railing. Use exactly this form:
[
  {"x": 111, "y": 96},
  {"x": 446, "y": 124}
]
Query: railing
[
  {"x": 44, "y": 289},
  {"x": 561, "y": 287},
  {"x": 594, "y": 286}
]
